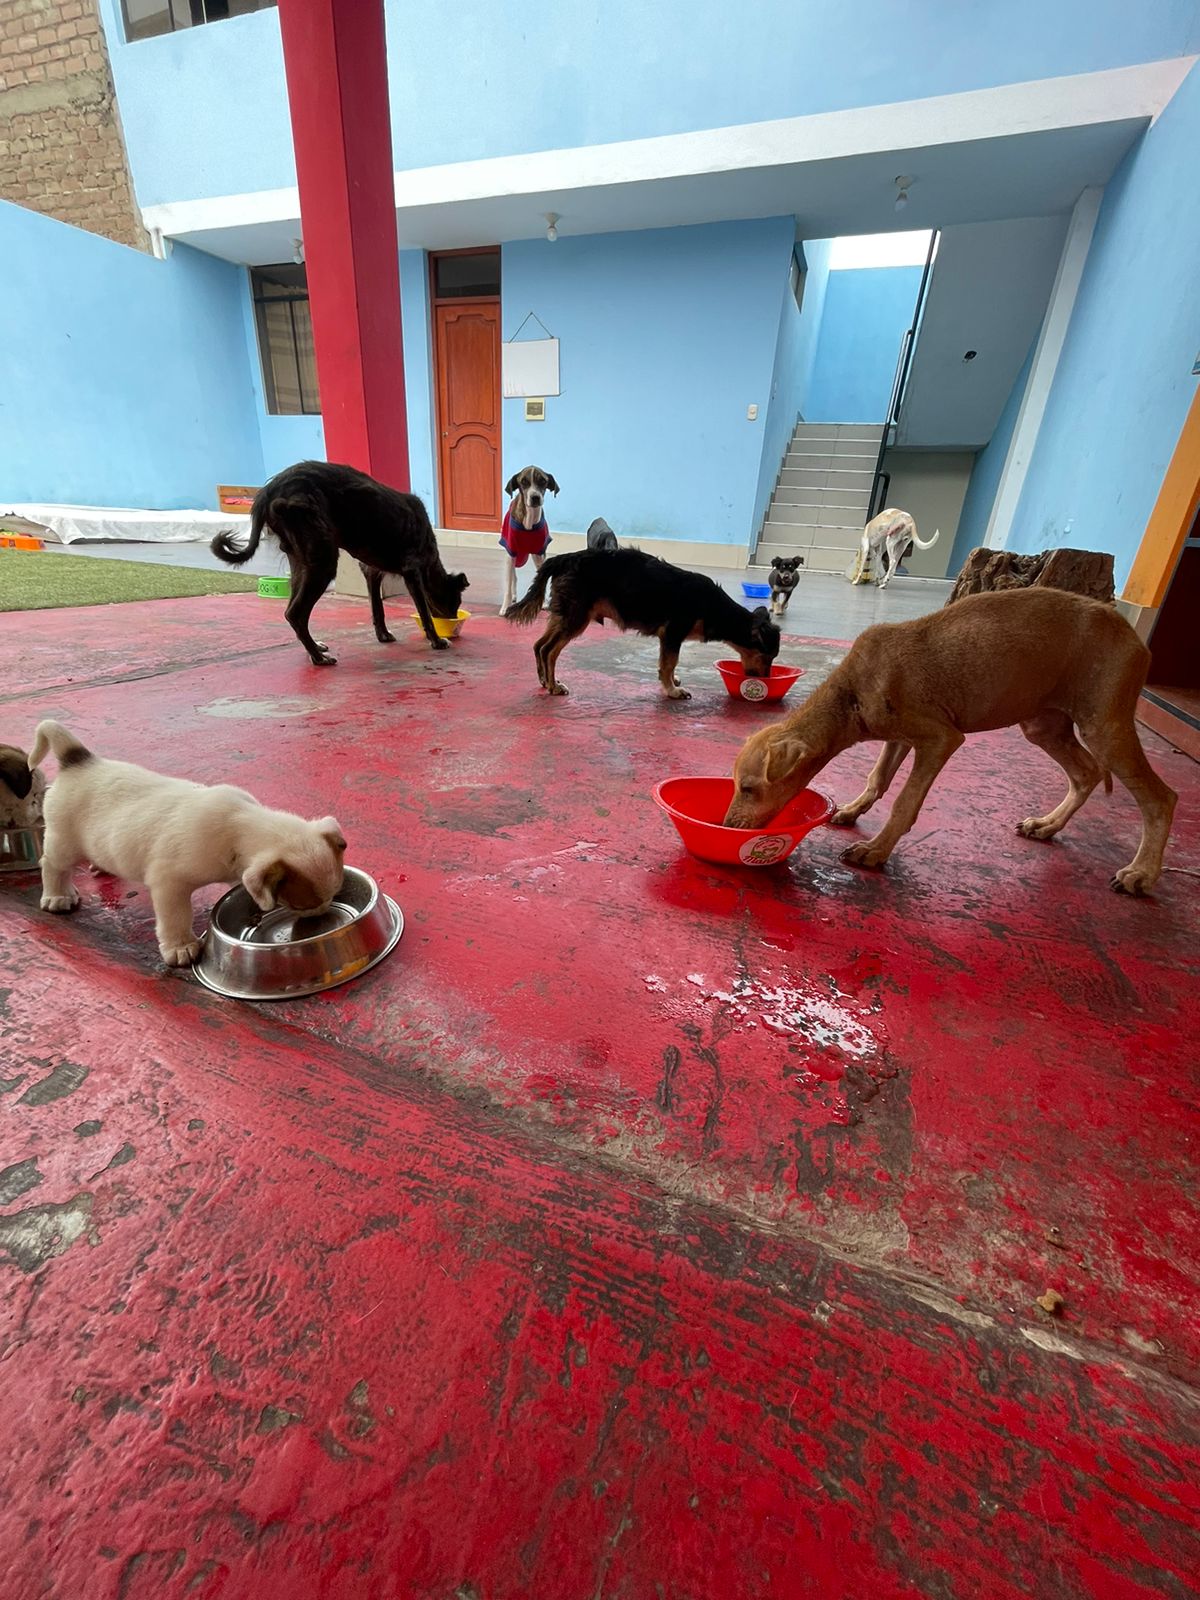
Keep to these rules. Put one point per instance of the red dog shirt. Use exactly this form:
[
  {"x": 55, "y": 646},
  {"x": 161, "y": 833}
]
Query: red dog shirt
[{"x": 521, "y": 543}]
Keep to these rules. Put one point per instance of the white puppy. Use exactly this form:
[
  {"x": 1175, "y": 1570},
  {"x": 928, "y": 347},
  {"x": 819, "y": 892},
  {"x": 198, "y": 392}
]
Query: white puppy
[
  {"x": 21, "y": 791},
  {"x": 888, "y": 534},
  {"x": 176, "y": 836}
]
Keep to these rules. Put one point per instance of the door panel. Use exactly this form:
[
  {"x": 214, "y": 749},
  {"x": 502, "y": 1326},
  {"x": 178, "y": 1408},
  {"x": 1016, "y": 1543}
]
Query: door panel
[{"x": 467, "y": 353}]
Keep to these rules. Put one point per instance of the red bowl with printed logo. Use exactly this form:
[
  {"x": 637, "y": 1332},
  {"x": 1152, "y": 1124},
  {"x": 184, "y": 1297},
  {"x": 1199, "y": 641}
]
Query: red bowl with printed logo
[
  {"x": 773, "y": 687},
  {"x": 697, "y": 805}
]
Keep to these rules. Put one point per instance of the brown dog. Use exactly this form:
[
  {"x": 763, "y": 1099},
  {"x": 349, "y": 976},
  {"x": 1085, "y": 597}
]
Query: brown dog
[{"x": 1040, "y": 658}]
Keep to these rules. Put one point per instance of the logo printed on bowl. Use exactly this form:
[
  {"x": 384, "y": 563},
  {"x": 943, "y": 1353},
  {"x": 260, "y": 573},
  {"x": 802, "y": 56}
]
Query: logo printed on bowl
[
  {"x": 764, "y": 850},
  {"x": 753, "y": 689}
]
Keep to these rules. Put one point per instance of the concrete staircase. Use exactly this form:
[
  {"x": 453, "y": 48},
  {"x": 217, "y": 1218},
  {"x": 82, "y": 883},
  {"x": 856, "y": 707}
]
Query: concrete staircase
[{"x": 820, "y": 502}]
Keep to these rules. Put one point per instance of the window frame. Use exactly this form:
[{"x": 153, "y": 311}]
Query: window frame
[{"x": 259, "y": 303}]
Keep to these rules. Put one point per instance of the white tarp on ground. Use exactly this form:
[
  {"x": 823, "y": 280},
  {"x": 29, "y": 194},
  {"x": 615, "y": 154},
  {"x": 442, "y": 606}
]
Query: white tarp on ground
[{"x": 105, "y": 524}]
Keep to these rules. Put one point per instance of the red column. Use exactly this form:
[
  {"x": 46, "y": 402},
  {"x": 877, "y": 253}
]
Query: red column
[{"x": 335, "y": 53}]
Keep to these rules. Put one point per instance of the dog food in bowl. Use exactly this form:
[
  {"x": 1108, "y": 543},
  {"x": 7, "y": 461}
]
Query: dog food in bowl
[
  {"x": 446, "y": 627},
  {"x": 282, "y": 954},
  {"x": 697, "y": 805},
  {"x": 773, "y": 687}
]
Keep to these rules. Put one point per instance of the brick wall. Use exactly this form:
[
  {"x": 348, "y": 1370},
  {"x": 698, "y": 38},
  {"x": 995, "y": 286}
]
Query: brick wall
[{"x": 61, "y": 151}]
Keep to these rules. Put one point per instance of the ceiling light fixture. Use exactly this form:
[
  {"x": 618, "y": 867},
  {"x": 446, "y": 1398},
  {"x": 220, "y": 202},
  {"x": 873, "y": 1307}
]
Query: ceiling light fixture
[
  {"x": 552, "y": 226},
  {"x": 902, "y": 187}
]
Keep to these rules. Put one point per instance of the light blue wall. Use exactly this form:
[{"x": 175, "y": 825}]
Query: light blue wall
[
  {"x": 1124, "y": 381},
  {"x": 867, "y": 310},
  {"x": 418, "y": 376},
  {"x": 985, "y": 475},
  {"x": 124, "y": 381},
  {"x": 666, "y": 337},
  {"x": 205, "y": 111},
  {"x": 795, "y": 353}
]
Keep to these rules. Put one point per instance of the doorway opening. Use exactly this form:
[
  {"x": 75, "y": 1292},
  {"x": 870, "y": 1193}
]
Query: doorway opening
[{"x": 465, "y": 290}]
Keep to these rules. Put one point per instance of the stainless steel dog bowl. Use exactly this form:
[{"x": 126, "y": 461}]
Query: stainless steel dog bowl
[
  {"x": 279, "y": 955},
  {"x": 20, "y": 849}
]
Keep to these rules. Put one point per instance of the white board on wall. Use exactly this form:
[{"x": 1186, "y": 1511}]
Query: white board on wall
[{"x": 529, "y": 367}]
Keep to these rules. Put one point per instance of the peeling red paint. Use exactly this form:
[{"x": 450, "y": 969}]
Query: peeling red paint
[{"x": 638, "y": 1228}]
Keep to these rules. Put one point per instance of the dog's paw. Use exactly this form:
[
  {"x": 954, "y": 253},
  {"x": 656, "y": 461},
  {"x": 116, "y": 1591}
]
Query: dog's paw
[
  {"x": 844, "y": 817},
  {"x": 180, "y": 955},
  {"x": 864, "y": 855},
  {"x": 558, "y": 688},
  {"x": 1036, "y": 828},
  {"x": 61, "y": 902},
  {"x": 676, "y": 693},
  {"x": 440, "y": 644},
  {"x": 1133, "y": 880},
  {"x": 385, "y": 637},
  {"x": 324, "y": 656}
]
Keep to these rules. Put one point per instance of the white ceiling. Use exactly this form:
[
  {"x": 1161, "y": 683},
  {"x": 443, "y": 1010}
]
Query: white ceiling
[{"x": 1023, "y": 175}]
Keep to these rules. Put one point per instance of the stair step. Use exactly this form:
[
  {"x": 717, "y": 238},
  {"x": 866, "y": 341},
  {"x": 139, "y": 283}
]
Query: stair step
[
  {"x": 838, "y": 430},
  {"x": 828, "y": 477},
  {"x": 799, "y": 494},
  {"x": 813, "y": 517}
]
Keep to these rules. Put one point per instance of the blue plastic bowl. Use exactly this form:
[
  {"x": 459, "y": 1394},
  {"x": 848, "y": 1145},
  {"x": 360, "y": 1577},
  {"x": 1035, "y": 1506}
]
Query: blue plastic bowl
[{"x": 757, "y": 591}]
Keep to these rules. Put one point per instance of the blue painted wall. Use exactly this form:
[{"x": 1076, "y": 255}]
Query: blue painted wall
[
  {"x": 205, "y": 111},
  {"x": 126, "y": 381},
  {"x": 418, "y": 376},
  {"x": 1124, "y": 382},
  {"x": 866, "y": 312},
  {"x": 666, "y": 337},
  {"x": 985, "y": 475},
  {"x": 795, "y": 354}
]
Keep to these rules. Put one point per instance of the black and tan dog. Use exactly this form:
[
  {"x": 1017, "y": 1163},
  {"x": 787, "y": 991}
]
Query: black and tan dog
[
  {"x": 317, "y": 508},
  {"x": 642, "y": 594},
  {"x": 785, "y": 575},
  {"x": 524, "y": 531}
]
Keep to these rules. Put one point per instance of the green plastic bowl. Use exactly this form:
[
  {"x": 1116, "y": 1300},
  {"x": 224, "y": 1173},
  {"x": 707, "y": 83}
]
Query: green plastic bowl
[{"x": 275, "y": 588}]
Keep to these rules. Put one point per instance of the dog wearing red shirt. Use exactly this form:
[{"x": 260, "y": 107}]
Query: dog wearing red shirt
[{"x": 524, "y": 532}]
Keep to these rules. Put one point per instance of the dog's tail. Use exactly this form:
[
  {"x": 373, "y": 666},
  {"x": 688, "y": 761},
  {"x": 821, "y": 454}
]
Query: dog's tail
[
  {"x": 925, "y": 544},
  {"x": 225, "y": 546},
  {"x": 527, "y": 610},
  {"x": 52, "y": 736}
]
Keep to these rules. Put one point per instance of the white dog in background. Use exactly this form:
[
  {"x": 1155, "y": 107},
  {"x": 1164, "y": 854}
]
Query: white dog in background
[
  {"x": 175, "y": 837},
  {"x": 889, "y": 534}
]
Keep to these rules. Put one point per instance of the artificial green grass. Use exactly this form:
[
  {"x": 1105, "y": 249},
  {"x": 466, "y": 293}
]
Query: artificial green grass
[{"x": 36, "y": 580}]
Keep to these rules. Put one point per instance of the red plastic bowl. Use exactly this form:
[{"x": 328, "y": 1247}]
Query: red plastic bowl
[
  {"x": 742, "y": 687},
  {"x": 697, "y": 805}
]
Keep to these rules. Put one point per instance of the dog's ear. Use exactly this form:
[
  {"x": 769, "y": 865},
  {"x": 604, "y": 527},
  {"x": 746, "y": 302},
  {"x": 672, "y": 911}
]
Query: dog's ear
[
  {"x": 760, "y": 614},
  {"x": 261, "y": 879},
  {"x": 799, "y": 561},
  {"x": 552, "y": 483},
  {"x": 330, "y": 830},
  {"x": 511, "y": 486},
  {"x": 783, "y": 756},
  {"x": 776, "y": 560},
  {"x": 461, "y": 581},
  {"x": 14, "y": 771}
]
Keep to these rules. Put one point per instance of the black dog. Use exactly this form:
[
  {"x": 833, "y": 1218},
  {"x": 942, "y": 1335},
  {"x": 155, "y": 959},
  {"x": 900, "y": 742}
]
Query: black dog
[
  {"x": 601, "y": 537},
  {"x": 785, "y": 575},
  {"x": 317, "y": 508},
  {"x": 642, "y": 594}
]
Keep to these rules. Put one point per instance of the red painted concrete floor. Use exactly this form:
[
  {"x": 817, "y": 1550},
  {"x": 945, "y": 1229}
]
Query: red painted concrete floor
[{"x": 640, "y": 1230}]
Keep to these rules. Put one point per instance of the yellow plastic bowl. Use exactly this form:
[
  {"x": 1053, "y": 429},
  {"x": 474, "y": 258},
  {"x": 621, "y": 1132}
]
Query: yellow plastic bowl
[{"x": 445, "y": 627}]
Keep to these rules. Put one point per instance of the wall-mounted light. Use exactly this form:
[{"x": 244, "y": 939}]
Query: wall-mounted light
[
  {"x": 903, "y": 185},
  {"x": 298, "y": 252},
  {"x": 552, "y": 226}
]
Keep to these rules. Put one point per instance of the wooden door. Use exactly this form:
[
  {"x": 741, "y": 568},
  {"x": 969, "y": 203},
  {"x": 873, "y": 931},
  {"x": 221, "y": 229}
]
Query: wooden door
[{"x": 467, "y": 359}]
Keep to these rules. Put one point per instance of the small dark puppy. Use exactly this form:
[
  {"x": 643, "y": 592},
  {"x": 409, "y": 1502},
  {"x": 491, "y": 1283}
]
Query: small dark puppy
[
  {"x": 21, "y": 791},
  {"x": 642, "y": 594},
  {"x": 317, "y": 508},
  {"x": 785, "y": 575},
  {"x": 601, "y": 537}
]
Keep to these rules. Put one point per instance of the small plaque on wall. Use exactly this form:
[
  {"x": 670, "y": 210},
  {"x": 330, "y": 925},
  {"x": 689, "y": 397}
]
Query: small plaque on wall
[{"x": 535, "y": 411}]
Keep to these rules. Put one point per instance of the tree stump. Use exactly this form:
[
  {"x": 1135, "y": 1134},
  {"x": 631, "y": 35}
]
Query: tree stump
[{"x": 1086, "y": 572}]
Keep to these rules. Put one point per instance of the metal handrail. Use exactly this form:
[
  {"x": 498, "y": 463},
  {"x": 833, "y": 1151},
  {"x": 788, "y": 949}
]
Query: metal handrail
[{"x": 881, "y": 481}]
